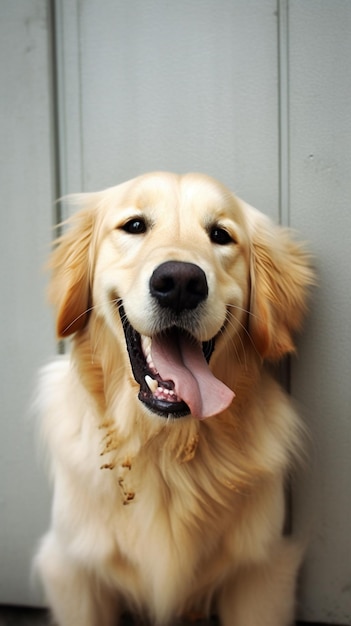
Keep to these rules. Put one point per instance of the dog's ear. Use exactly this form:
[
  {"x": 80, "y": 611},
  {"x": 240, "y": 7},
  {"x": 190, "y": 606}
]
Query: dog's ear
[
  {"x": 70, "y": 264},
  {"x": 280, "y": 277}
]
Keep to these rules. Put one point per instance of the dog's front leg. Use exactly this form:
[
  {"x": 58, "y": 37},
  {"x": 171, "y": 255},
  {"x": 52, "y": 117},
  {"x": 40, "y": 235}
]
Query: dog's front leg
[
  {"x": 74, "y": 595},
  {"x": 263, "y": 595}
]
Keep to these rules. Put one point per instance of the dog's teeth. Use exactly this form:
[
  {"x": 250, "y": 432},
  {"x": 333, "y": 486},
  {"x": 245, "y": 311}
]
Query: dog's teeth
[
  {"x": 146, "y": 344},
  {"x": 151, "y": 383}
]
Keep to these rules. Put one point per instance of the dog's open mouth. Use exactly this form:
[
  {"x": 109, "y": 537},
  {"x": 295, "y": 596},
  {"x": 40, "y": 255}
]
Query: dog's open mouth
[{"x": 173, "y": 373}]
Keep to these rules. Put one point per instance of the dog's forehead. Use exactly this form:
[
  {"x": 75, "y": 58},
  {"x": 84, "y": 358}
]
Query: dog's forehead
[
  {"x": 189, "y": 194},
  {"x": 206, "y": 196}
]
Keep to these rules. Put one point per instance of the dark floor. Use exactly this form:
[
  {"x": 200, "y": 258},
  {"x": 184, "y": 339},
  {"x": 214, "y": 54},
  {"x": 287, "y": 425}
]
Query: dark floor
[
  {"x": 22, "y": 617},
  {"x": 13, "y": 616}
]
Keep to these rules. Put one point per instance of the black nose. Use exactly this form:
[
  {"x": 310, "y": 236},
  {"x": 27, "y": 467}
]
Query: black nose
[{"x": 179, "y": 286}]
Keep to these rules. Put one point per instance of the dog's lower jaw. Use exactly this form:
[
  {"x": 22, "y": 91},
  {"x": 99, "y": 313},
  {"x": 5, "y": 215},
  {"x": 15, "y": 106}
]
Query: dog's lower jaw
[{"x": 155, "y": 392}]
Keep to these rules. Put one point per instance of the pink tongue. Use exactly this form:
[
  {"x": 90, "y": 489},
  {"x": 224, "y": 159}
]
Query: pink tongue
[{"x": 181, "y": 360}]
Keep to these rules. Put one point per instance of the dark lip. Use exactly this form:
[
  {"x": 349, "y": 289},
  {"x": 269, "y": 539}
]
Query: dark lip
[{"x": 140, "y": 370}]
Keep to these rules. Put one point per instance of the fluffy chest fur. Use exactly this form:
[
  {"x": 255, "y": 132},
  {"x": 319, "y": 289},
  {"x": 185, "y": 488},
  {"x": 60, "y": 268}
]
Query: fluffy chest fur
[{"x": 161, "y": 513}]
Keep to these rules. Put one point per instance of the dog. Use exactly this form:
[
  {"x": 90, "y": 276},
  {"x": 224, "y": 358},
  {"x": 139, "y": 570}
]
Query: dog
[{"x": 169, "y": 441}]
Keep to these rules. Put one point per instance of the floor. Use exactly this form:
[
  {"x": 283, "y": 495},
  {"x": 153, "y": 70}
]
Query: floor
[
  {"x": 23, "y": 617},
  {"x": 13, "y": 616}
]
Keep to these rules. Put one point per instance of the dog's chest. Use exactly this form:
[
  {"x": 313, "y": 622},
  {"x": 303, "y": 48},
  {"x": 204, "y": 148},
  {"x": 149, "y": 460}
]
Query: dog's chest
[{"x": 160, "y": 529}]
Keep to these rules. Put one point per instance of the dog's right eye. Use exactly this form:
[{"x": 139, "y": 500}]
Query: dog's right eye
[
  {"x": 220, "y": 236},
  {"x": 135, "y": 226}
]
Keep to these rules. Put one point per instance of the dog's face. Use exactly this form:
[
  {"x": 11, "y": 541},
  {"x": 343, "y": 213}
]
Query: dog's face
[
  {"x": 170, "y": 254},
  {"x": 173, "y": 260},
  {"x": 167, "y": 262}
]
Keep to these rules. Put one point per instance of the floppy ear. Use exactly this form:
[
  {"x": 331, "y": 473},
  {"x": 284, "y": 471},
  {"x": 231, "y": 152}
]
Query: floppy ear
[
  {"x": 280, "y": 277},
  {"x": 69, "y": 289}
]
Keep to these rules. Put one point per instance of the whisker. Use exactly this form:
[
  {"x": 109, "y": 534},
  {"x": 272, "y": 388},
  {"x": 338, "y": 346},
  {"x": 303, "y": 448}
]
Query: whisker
[
  {"x": 225, "y": 330},
  {"x": 78, "y": 318},
  {"x": 243, "y": 310},
  {"x": 234, "y": 306},
  {"x": 88, "y": 310}
]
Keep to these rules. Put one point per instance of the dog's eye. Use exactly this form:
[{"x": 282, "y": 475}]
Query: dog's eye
[
  {"x": 135, "y": 226},
  {"x": 220, "y": 236}
]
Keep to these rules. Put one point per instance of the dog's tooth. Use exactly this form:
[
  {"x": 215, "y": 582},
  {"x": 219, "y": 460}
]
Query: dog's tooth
[
  {"x": 146, "y": 344},
  {"x": 151, "y": 383}
]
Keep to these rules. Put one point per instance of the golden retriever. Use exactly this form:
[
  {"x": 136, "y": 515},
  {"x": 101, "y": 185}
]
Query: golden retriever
[{"x": 169, "y": 442}]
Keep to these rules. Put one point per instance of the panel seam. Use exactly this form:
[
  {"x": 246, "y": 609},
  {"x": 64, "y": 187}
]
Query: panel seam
[
  {"x": 56, "y": 157},
  {"x": 283, "y": 99}
]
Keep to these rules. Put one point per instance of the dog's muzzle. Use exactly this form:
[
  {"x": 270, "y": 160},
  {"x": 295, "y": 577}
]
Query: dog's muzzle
[{"x": 171, "y": 366}]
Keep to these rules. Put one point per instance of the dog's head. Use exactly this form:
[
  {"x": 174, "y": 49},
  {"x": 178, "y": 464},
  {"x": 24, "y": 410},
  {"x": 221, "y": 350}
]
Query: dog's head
[{"x": 184, "y": 267}]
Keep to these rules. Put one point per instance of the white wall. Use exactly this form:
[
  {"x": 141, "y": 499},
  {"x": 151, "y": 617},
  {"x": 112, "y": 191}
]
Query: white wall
[
  {"x": 320, "y": 207},
  {"x": 254, "y": 92},
  {"x": 186, "y": 85},
  {"x": 26, "y": 194}
]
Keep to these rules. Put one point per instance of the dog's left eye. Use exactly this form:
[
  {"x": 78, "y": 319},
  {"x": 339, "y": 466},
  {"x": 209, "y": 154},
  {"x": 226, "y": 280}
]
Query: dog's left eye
[
  {"x": 135, "y": 226},
  {"x": 220, "y": 236}
]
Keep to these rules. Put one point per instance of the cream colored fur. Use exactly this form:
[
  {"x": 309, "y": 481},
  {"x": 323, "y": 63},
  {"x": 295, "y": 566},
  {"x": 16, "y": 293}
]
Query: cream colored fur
[{"x": 167, "y": 517}]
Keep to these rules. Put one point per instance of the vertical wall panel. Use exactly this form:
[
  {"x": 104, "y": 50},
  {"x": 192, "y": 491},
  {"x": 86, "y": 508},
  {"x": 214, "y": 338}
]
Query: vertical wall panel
[
  {"x": 26, "y": 194},
  {"x": 320, "y": 192},
  {"x": 184, "y": 86}
]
